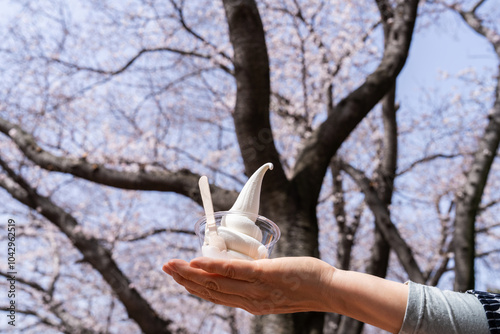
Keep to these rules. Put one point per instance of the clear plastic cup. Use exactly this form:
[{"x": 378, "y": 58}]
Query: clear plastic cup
[{"x": 270, "y": 235}]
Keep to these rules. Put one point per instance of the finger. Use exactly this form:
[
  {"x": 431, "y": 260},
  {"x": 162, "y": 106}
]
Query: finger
[
  {"x": 236, "y": 269},
  {"x": 216, "y": 282},
  {"x": 166, "y": 268},
  {"x": 169, "y": 266},
  {"x": 254, "y": 306},
  {"x": 206, "y": 293}
]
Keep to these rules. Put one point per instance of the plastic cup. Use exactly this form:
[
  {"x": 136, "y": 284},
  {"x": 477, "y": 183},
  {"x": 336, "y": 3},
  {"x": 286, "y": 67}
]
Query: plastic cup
[{"x": 270, "y": 235}]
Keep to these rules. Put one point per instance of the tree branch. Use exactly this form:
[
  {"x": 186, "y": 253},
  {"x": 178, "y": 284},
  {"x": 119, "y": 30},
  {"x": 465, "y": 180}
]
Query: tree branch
[
  {"x": 184, "y": 24},
  {"x": 251, "y": 113},
  {"x": 469, "y": 198},
  {"x": 155, "y": 232},
  {"x": 317, "y": 152},
  {"x": 486, "y": 253},
  {"x": 93, "y": 252},
  {"x": 488, "y": 228},
  {"x": 31, "y": 284},
  {"x": 347, "y": 231},
  {"x": 385, "y": 224},
  {"x": 475, "y": 23},
  {"x": 42, "y": 319},
  {"x": 427, "y": 159},
  {"x": 441, "y": 269},
  {"x": 69, "y": 323},
  {"x": 476, "y": 6},
  {"x": 183, "y": 182},
  {"x": 133, "y": 59},
  {"x": 386, "y": 11}
]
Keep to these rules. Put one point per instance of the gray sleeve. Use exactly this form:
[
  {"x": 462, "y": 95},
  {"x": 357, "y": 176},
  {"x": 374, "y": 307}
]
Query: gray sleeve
[{"x": 430, "y": 310}]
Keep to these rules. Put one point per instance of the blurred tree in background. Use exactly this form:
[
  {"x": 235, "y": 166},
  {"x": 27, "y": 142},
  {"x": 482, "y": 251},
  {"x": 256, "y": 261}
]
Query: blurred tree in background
[{"x": 111, "y": 110}]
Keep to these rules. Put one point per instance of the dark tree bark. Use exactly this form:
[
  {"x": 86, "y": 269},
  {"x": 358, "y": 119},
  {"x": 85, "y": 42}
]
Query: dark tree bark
[
  {"x": 182, "y": 182},
  {"x": 383, "y": 178},
  {"x": 315, "y": 157},
  {"x": 469, "y": 199},
  {"x": 384, "y": 185},
  {"x": 346, "y": 230},
  {"x": 387, "y": 227},
  {"x": 253, "y": 129},
  {"x": 293, "y": 202},
  {"x": 384, "y": 182}
]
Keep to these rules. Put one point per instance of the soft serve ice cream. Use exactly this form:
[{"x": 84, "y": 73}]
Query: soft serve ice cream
[{"x": 243, "y": 238}]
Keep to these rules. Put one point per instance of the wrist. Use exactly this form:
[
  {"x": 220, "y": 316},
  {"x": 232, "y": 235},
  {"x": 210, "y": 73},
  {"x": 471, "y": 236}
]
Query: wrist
[
  {"x": 328, "y": 287},
  {"x": 368, "y": 298},
  {"x": 335, "y": 291}
]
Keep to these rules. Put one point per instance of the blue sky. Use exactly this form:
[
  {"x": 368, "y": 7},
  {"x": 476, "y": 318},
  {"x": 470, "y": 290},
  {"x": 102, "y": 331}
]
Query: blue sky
[{"x": 451, "y": 47}]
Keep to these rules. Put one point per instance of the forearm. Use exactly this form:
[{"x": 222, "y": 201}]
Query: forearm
[{"x": 370, "y": 299}]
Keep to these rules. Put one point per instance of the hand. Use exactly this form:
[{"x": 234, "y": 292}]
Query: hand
[
  {"x": 293, "y": 284},
  {"x": 282, "y": 285}
]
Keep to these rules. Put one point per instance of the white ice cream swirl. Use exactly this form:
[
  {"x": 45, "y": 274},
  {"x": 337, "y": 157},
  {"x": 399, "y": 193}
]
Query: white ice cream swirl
[{"x": 242, "y": 236}]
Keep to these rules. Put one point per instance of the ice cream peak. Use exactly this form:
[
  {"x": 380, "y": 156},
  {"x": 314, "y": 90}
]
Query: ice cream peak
[
  {"x": 246, "y": 207},
  {"x": 249, "y": 198},
  {"x": 243, "y": 238}
]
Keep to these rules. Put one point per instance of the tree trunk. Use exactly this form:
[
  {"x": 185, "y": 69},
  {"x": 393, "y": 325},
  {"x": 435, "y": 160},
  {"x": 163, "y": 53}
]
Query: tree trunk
[
  {"x": 385, "y": 174},
  {"x": 294, "y": 201},
  {"x": 469, "y": 198},
  {"x": 468, "y": 201},
  {"x": 280, "y": 198}
]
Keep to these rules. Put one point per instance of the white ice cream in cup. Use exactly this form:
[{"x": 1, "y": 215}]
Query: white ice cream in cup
[
  {"x": 239, "y": 244},
  {"x": 246, "y": 234}
]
